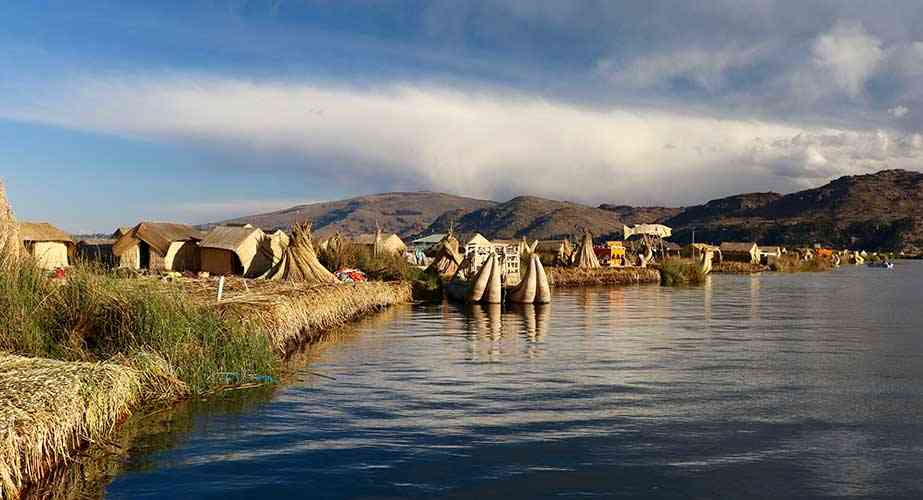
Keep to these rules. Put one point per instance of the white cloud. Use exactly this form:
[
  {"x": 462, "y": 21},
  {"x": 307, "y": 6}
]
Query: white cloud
[
  {"x": 849, "y": 54},
  {"x": 478, "y": 143},
  {"x": 898, "y": 111},
  {"x": 705, "y": 67}
]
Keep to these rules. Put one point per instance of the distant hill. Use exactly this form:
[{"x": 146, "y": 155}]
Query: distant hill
[
  {"x": 875, "y": 211},
  {"x": 540, "y": 218},
  {"x": 406, "y": 214}
]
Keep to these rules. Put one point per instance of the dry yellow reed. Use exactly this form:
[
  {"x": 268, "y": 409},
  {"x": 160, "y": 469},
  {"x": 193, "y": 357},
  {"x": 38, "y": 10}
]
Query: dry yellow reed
[
  {"x": 48, "y": 409},
  {"x": 563, "y": 277}
]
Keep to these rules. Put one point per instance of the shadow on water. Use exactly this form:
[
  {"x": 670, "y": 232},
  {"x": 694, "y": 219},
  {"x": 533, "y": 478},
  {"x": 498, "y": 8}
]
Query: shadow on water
[{"x": 140, "y": 439}]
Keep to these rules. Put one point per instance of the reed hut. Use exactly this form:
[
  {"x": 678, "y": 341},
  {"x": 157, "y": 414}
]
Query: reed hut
[
  {"x": 695, "y": 250},
  {"x": 10, "y": 242},
  {"x": 237, "y": 250},
  {"x": 740, "y": 252},
  {"x": 585, "y": 257},
  {"x": 446, "y": 257},
  {"x": 96, "y": 250},
  {"x": 51, "y": 247},
  {"x": 555, "y": 252},
  {"x": 159, "y": 246},
  {"x": 378, "y": 242}
]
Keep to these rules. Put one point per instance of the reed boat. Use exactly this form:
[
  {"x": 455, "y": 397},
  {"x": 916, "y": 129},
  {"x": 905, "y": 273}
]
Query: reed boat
[
  {"x": 487, "y": 285},
  {"x": 883, "y": 264}
]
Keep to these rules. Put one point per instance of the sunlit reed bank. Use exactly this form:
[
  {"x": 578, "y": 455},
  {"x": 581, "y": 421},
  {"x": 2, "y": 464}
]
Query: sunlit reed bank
[
  {"x": 48, "y": 408},
  {"x": 563, "y": 277}
]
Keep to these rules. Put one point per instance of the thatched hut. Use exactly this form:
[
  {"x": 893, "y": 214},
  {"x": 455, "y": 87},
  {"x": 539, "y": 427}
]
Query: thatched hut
[
  {"x": 159, "y": 246},
  {"x": 96, "y": 250},
  {"x": 390, "y": 243},
  {"x": 585, "y": 258},
  {"x": 740, "y": 252},
  {"x": 555, "y": 252},
  {"x": 446, "y": 256},
  {"x": 238, "y": 250},
  {"x": 51, "y": 247}
]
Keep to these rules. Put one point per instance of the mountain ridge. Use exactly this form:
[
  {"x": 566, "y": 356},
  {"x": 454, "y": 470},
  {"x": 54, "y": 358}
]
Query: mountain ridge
[{"x": 882, "y": 210}]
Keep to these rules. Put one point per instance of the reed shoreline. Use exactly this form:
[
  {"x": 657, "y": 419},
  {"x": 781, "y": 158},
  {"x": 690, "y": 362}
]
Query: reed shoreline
[
  {"x": 570, "y": 277},
  {"x": 79, "y": 355}
]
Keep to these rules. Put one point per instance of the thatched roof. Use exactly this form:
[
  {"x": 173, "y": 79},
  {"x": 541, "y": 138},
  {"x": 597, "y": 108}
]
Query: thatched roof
[
  {"x": 552, "y": 246},
  {"x": 43, "y": 231},
  {"x": 95, "y": 242},
  {"x": 733, "y": 246},
  {"x": 159, "y": 235},
  {"x": 229, "y": 238},
  {"x": 479, "y": 240},
  {"x": 390, "y": 242}
]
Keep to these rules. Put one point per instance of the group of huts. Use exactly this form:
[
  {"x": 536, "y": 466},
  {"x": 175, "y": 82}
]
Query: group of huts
[{"x": 242, "y": 250}]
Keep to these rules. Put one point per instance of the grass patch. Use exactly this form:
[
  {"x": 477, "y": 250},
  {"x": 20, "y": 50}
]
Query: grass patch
[
  {"x": 675, "y": 272},
  {"x": 92, "y": 315},
  {"x": 384, "y": 267}
]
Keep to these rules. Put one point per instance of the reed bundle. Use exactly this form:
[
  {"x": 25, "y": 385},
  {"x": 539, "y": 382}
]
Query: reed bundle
[
  {"x": 49, "y": 409},
  {"x": 563, "y": 277},
  {"x": 294, "y": 313}
]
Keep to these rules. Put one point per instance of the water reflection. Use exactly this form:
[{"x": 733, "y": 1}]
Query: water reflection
[{"x": 766, "y": 386}]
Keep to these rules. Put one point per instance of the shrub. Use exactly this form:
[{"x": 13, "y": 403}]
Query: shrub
[{"x": 680, "y": 272}]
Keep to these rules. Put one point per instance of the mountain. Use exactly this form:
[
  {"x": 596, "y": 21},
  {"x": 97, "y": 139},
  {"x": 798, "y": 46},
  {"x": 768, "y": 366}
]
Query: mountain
[
  {"x": 875, "y": 211},
  {"x": 540, "y": 218},
  {"x": 406, "y": 214},
  {"x": 883, "y": 210}
]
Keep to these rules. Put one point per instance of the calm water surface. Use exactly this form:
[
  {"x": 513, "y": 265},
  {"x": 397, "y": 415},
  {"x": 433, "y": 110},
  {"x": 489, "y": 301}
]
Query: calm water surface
[{"x": 769, "y": 386}]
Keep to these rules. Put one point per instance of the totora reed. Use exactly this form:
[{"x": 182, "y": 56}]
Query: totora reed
[
  {"x": 563, "y": 277},
  {"x": 48, "y": 409}
]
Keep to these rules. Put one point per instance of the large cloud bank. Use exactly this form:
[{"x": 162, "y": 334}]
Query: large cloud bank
[{"x": 475, "y": 142}]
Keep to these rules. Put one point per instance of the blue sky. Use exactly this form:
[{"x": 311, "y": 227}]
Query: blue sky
[{"x": 113, "y": 112}]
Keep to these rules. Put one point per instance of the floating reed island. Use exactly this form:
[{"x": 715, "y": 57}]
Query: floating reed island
[{"x": 82, "y": 348}]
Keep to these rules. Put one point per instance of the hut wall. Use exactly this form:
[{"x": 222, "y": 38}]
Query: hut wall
[
  {"x": 49, "y": 255},
  {"x": 219, "y": 262},
  {"x": 740, "y": 257},
  {"x": 181, "y": 256},
  {"x": 131, "y": 258}
]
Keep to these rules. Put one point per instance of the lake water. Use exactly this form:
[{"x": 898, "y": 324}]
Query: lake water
[{"x": 770, "y": 386}]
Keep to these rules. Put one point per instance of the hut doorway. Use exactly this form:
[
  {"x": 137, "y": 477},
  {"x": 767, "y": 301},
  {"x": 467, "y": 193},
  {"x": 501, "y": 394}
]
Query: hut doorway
[{"x": 144, "y": 255}]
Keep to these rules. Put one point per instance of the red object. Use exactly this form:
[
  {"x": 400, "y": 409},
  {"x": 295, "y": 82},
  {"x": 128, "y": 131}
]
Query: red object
[{"x": 59, "y": 273}]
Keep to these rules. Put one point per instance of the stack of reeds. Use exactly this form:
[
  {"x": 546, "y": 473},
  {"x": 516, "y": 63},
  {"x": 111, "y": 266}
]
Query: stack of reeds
[
  {"x": 562, "y": 277},
  {"x": 49, "y": 409},
  {"x": 300, "y": 264},
  {"x": 293, "y": 314},
  {"x": 734, "y": 267},
  {"x": 10, "y": 244}
]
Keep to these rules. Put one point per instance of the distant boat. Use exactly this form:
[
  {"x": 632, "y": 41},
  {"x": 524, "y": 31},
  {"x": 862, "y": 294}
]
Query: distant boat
[{"x": 883, "y": 264}]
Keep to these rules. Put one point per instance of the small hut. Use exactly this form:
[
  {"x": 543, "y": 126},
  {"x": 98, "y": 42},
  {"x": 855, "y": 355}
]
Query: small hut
[
  {"x": 51, "y": 247},
  {"x": 390, "y": 243},
  {"x": 96, "y": 250},
  {"x": 740, "y": 252},
  {"x": 585, "y": 258},
  {"x": 159, "y": 246},
  {"x": 555, "y": 252},
  {"x": 446, "y": 257},
  {"x": 695, "y": 250},
  {"x": 237, "y": 250}
]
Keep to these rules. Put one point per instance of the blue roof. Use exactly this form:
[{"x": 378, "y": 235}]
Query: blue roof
[{"x": 433, "y": 238}]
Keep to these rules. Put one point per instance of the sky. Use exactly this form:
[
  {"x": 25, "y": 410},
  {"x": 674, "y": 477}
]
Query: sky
[{"x": 198, "y": 111}]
